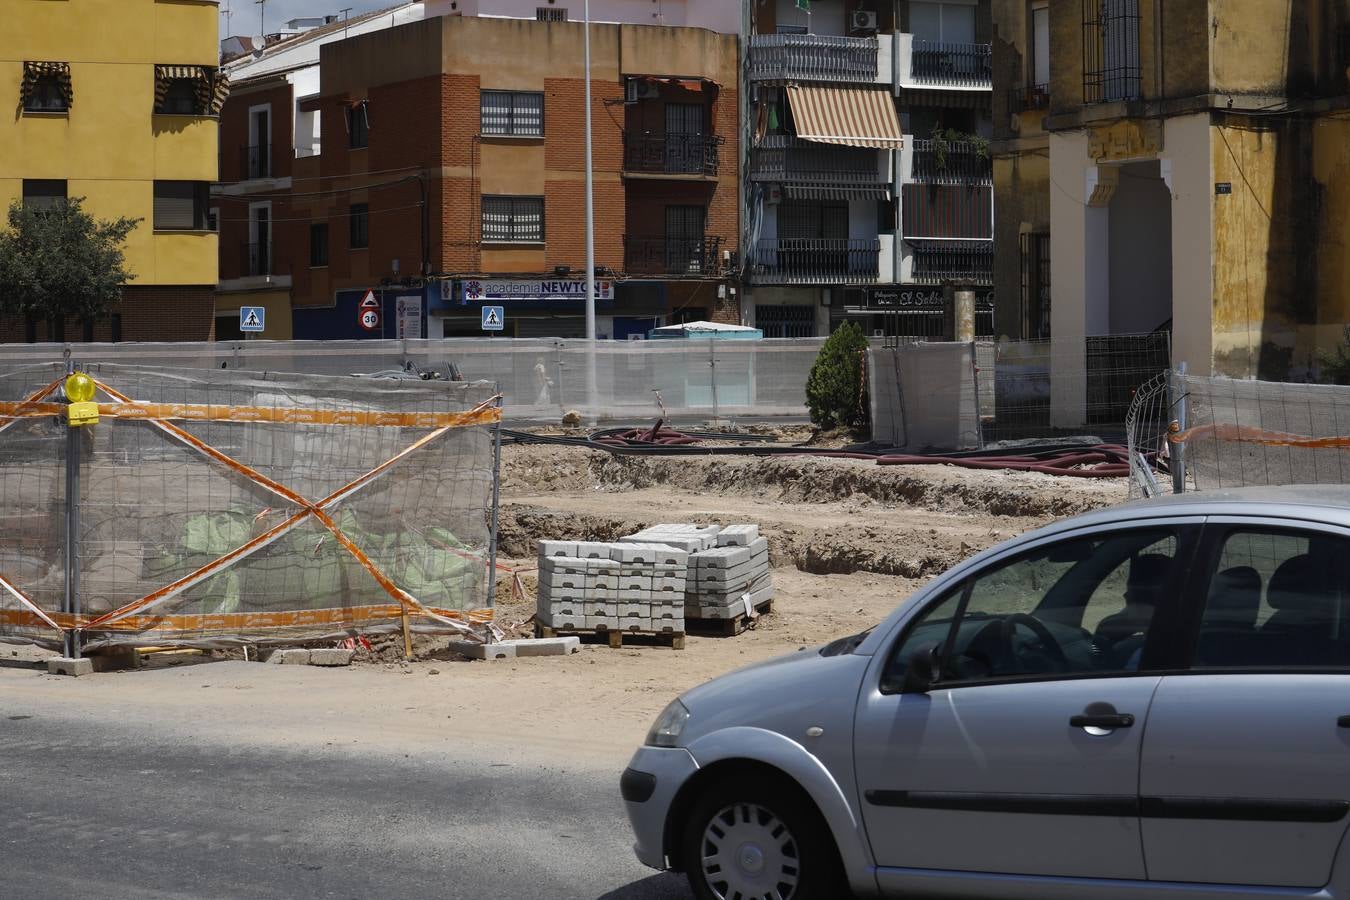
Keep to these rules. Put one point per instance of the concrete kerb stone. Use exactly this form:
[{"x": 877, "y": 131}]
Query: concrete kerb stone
[
  {"x": 557, "y": 646},
  {"x": 64, "y": 665},
  {"x": 291, "y": 656},
  {"x": 331, "y": 657}
]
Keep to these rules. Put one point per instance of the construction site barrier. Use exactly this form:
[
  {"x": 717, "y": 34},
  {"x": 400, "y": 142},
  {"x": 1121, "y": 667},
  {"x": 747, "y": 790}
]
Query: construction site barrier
[{"x": 209, "y": 507}]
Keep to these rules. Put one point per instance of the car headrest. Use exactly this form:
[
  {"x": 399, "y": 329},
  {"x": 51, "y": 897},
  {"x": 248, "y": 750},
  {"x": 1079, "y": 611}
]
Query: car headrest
[
  {"x": 1234, "y": 596},
  {"x": 1298, "y": 584},
  {"x": 1148, "y": 575}
]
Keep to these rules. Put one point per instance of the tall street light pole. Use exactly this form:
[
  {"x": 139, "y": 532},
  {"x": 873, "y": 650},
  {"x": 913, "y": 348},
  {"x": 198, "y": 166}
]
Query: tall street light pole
[{"x": 591, "y": 382}]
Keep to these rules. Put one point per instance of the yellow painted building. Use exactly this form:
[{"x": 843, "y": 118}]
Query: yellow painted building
[
  {"x": 1177, "y": 167},
  {"x": 118, "y": 102}
]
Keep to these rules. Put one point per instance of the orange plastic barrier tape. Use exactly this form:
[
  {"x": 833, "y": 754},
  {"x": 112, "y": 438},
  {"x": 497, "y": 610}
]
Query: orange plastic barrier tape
[
  {"x": 1250, "y": 435},
  {"x": 226, "y": 623},
  {"x": 28, "y": 603},
  {"x": 216, "y": 413}
]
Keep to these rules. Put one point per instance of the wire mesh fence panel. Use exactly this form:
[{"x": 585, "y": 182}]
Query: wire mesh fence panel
[
  {"x": 539, "y": 379},
  {"x": 1043, "y": 388},
  {"x": 923, "y": 396},
  {"x": 218, "y": 506},
  {"x": 1240, "y": 433},
  {"x": 1146, "y": 426}
]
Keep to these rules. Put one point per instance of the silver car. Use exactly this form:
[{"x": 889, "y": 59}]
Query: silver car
[{"x": 1151, "y": 700}]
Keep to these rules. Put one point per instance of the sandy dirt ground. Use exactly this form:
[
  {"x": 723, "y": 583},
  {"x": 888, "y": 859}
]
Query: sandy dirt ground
[{"x": 849, "y": 540}]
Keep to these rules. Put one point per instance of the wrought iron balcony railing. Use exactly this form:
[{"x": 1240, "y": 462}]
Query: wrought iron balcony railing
[
  {"x": 946, "y": 62},
  {"x": 790, "y": 160},
  {"x": 951, "y": 162},
  {"x": 256, "y": 260},
  {"x": 1033, "y": 96},
  {"x": 660, "y": 255},
  {"x": 256, "y": 161},
  {"x": 814, "y": 57},
  {"x": 815, "y": 261},
  {"x": 672, "y": 154},
  {"x": 958, "y": 262}
]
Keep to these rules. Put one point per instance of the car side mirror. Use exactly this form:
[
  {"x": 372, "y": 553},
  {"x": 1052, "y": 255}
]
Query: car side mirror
[{"x": 923, "y": 671}]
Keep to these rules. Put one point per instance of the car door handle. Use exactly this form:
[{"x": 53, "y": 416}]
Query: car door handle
[{"x": 1102, "y": 720}]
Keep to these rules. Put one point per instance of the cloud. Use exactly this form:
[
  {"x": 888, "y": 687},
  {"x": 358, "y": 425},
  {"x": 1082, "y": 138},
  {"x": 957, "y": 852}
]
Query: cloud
[{"x": 244, "y": 20}]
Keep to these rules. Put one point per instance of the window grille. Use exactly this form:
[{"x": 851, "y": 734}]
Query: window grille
[
  {"x": 513, "y": 219},
  {"x": 518, "y": 113},
  {"x": 1111, "y": 51}
]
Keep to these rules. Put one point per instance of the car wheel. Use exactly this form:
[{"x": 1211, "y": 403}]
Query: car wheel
[{"x": 751, "y": 839}]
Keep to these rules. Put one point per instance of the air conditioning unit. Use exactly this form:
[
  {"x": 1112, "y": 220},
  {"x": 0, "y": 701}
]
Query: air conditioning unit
[
  {"x": 639, "y": 89},
  {"x": 864, "y": 20}
]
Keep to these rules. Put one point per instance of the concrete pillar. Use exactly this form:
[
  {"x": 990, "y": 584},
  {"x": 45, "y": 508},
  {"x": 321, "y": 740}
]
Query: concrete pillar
[{"x": 963, "y": 316}]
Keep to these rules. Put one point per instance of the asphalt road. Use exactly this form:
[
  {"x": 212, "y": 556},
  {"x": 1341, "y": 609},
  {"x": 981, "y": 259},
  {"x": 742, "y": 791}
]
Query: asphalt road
[{"x": 96, "y": 805}]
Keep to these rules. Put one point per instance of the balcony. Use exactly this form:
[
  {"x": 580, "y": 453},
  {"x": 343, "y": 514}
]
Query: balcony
[
  {"x": 256, "y": 161},
  {"x": 1031, "y": 97},
  {"x": 675, "y": 155},
  {"x": 659, "y": 255},
  {"x": 814, "y": 57},
  {"x": 945, "y": 65},
  {"x": 951, "y": 262},
  {"x": 950, "y": 162},
  {"x": 821, "y": 261},
  {"x": 789, "y": 160}
]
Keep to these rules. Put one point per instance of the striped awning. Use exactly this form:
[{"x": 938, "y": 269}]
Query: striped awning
[
  {"x": 33, "y": 72},
  {"x": 854, "y": 117},
  {"x": 837, "y": 192},
  {"x": 212, "y": 86}
]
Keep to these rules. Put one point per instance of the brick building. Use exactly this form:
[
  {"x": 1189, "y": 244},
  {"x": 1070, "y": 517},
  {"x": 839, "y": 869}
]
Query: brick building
[{"x": 437, "y": 160}]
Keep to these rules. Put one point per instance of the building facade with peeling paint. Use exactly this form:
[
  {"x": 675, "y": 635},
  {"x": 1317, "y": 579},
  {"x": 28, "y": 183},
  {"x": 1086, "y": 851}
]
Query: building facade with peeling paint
[{"x": 1174, "y": 166}]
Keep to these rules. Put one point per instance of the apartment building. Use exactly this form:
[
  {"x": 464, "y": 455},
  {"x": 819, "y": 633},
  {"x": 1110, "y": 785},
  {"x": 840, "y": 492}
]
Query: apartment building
[
  {"x": 1174, "y": 167},
  {"x": 117, "y": 102},
  {"x": 427, "y": 161},
  {"x": 868, "y": 192}
]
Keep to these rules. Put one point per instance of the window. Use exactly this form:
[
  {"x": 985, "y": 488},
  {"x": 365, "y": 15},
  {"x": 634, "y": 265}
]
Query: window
[
  {"x": 213, "y": 220},
  {"x": 1110, "y": 50},
  {"x": 947, "y": 22},
  {"x": 1035, "y": 311},
  {"x": 180, "y": 99},
  {"x": 318, "y": 245},
  {"x": 181, "y": 205},
  {"x": 1077, "y": 607},
  {"x": 360, "y": 225},
  {"x": 1038, "y": 67},
  {"x": 550, "y": 14},
  {"x": 43, "y": 193},
  {"x": 513, "y": 219},
  {"x": 515, "y": 113},
  {"x": 1277, "y": 599},
  {"x": 358, "y": 126},
  {"x": 46, "y": 96}
]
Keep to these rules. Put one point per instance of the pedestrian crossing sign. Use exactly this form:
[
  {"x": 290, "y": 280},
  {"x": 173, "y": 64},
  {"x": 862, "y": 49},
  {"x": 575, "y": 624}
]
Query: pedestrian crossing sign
[
  {"x": 252, "y": 318},
  {"x": 494, "y": 318}
]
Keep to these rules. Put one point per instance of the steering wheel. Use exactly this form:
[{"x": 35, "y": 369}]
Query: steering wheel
[{"x": 1047, "y": 640}]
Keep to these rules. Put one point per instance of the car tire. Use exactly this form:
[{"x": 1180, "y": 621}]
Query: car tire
[{"x": 756, "y": 837}]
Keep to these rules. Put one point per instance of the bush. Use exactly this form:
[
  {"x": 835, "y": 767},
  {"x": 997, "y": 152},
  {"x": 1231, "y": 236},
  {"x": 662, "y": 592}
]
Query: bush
[
  {"x": 835, "y": 392},
  {"x": 1336, "y": 366}
]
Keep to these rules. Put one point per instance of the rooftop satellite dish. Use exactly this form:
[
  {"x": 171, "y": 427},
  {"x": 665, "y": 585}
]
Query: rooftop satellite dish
[{"x": 259, "y": 44}]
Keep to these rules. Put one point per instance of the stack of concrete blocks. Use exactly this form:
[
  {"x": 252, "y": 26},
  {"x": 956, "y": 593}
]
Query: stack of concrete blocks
[
  {"x": 594, "y": 586},
  {"x": 731, "y": 579}
]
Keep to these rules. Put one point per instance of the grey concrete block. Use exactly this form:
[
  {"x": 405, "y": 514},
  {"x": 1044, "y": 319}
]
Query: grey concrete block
[
  {"x": 603, "y": 609},
  {"x": 634, "y": 623},
  {"x": 737, "y": 535},
  {"x": 291, "y": 656},
  {"x": 557, "y": 548},
  {"x": 635, "y": 595},
  {"x": 595, "y": 550},
  {"x": 477, "y": 650},
  {"x": 643, "y": 554},
  {"x": 331, "y": 657},
  {"x": 64, "y": 665},
  {"x": 720, "y": 558},
  {"x": 607, "y": 622},
  {"x": 554, "y": 646}
]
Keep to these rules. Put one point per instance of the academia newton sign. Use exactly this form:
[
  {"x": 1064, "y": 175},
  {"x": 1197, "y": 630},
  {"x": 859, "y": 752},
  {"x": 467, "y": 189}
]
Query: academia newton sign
[{"x": 565, "y": 289}]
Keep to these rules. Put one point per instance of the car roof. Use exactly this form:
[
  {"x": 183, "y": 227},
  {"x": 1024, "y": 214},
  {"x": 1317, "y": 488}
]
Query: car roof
[{"x": 1316, "y": 502}]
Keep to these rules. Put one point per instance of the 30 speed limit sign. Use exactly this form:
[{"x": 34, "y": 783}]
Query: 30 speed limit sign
[{"x": 368, "y": 313}]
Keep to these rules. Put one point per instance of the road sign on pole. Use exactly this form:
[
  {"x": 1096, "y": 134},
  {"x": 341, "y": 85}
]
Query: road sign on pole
[
  {"x": 252, "y": 318},
  {"x": 494, "y": 318}
]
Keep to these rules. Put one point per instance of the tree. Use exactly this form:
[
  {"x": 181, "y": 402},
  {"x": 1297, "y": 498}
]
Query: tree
[
  {"x": 836, "y": 395},
  {"x": 59, "y": 261}
]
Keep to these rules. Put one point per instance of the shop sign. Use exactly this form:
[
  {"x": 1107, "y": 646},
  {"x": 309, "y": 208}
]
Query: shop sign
[
  {"x": 565, "y": 289},
  {"x": 926, "y": 299},
  {"x": 409, "y": 310}
]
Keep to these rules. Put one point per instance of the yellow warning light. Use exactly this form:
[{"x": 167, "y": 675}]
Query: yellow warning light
[{"x": 80, "y": 392}]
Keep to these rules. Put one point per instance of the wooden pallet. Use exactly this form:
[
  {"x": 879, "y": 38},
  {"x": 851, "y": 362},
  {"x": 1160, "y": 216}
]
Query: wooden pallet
[
  {"x": 614, "y": 637},
  {"x": 726, "y": 627}
]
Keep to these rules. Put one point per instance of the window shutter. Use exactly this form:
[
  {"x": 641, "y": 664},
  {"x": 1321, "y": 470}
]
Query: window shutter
[{"x": 174, "y": 204}]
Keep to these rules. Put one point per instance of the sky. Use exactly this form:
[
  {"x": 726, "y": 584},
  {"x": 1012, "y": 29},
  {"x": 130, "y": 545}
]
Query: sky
[{"x": 244, "y": 20}]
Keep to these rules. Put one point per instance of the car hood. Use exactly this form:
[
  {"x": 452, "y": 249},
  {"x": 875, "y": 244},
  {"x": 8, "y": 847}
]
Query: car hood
[{"x": 776, "y": 694}]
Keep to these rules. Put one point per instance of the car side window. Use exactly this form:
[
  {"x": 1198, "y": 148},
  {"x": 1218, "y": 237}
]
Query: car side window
[
  {"x": 1276, "y": 598},
  {"x": 1028, "y": 617}
]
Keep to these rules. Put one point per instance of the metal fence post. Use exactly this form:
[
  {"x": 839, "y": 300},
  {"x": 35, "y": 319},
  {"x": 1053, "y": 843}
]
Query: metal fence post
[
  {"x": 70, "y": 603},
  {"x": 1177, "y": 452},
  {"x": 975, "y": 380},
  {"x": 712, "y": 377},
  {"x": 496, "y": 503}
]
